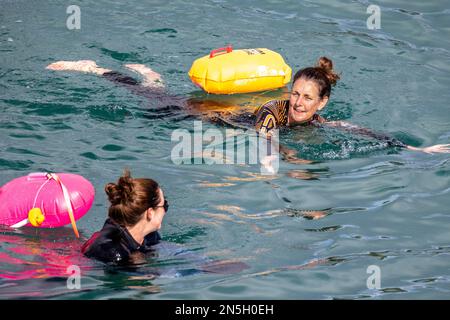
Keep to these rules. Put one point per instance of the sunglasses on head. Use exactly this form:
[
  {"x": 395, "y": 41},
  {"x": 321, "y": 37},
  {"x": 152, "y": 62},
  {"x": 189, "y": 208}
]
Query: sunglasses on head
[{"x": 165, "y": 205}]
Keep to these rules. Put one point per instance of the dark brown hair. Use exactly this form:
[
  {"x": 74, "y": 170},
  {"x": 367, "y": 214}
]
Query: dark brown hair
[
  {"x": 130, "y": 198},
  {"x": 322, "y": 73}
]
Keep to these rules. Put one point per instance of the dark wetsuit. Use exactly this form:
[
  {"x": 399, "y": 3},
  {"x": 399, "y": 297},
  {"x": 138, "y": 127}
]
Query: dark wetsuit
[
  {"x": 115, "y": 76},
  {"x": 158, "y": 95},
  {"x": 272, "y": 114},
  {"x": 164, "y": 104},
  {"x": 114, "y": 244}
]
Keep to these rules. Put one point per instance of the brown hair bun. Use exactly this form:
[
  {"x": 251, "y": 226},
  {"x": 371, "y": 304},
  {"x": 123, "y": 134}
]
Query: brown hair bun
[
  {"x": 130, "y": 197},
  {"x": 326, "y": 65},
  {"x": 122, "y": 192}
]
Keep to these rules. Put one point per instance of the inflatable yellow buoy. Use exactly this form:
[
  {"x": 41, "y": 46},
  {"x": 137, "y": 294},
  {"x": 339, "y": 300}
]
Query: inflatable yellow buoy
[{"x": 227, "y": 71}]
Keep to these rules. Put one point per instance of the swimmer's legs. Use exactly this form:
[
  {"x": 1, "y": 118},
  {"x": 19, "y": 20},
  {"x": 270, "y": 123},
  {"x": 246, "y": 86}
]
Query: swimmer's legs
[
  {"x": 151, "y": 86},
  {"x": 151, "y": 78},
  {"x": 88, "y": 66}
]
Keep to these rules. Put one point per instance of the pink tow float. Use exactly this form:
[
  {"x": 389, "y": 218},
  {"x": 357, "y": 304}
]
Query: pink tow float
[{"x": 45, "y": 200}]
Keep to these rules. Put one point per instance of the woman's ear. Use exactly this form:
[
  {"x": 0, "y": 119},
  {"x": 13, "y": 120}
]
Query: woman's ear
[
  {"x": 149, "y": 214},
  {"x": 323, "y": 103}
]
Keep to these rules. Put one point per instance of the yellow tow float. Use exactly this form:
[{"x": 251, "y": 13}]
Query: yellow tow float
[{"x": 228, "y": 71}]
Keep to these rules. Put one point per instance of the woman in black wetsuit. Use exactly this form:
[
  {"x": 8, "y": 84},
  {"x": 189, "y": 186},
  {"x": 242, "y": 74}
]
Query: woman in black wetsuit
[
  {"x": 137, "y": 209},
  {"x": 311, "y": 90},
  {"x": 151, "y": 87}
]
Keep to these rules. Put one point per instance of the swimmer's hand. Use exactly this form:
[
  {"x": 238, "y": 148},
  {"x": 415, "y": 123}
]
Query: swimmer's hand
[
  {"x": 88, "y": 66},
  {"x": 267, "y": 164},
  {"x": 438, "y": 148}
]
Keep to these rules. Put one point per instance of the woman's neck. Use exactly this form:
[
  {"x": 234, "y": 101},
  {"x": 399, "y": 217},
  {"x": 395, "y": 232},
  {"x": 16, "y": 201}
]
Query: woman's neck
[{"x": 137, "y": 232}]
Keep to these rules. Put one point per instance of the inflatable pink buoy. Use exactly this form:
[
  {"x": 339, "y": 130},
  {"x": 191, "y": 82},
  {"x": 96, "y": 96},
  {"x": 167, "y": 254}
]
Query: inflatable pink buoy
[{"x": 61, "y": 198}]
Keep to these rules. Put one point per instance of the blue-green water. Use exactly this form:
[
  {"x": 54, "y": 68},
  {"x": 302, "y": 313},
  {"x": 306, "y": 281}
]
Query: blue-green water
[{"x": 384, "y": 207}]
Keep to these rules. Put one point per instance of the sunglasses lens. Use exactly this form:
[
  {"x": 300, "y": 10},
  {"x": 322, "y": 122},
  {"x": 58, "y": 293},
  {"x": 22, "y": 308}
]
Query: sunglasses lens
[{"x": 166, "y": 205}]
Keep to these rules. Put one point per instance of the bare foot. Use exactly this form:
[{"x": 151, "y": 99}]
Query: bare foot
[
  {"x": 81, "y": 65},
  {"x": 151, "y": 78}
]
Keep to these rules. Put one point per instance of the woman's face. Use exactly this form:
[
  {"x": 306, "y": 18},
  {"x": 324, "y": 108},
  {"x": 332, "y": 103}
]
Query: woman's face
[{"x": 304, "y": 101}]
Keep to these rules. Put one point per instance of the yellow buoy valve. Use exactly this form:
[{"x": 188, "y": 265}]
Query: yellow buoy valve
[{"x": 36, "y": 217}]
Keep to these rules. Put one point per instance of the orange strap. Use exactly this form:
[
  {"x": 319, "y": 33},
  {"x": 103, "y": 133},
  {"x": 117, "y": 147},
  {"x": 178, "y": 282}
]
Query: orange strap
[{"x": 67, "y": 199}]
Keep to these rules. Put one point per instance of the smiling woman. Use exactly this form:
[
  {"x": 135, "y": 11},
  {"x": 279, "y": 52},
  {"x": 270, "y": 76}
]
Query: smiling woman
[{"x": 311, "y": 90}]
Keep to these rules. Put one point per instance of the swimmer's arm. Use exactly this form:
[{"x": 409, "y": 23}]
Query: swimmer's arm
[
  {"x": 287, "y": 154},
  {"x": 266, "y": 126},
  {"x": 438, "y": 148},
  {"x": 392, "y": 142}
]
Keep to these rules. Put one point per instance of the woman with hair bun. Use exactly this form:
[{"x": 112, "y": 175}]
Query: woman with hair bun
[
  {"x": 311, "y": 90},
  {"x": 135, "y": 215}
]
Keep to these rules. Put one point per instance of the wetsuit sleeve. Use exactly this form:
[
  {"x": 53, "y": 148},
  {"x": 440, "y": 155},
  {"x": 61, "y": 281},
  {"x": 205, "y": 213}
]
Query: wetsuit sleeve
[
  {"x": 265, "y": 119},
  {"x": 391, "y": 141}
]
